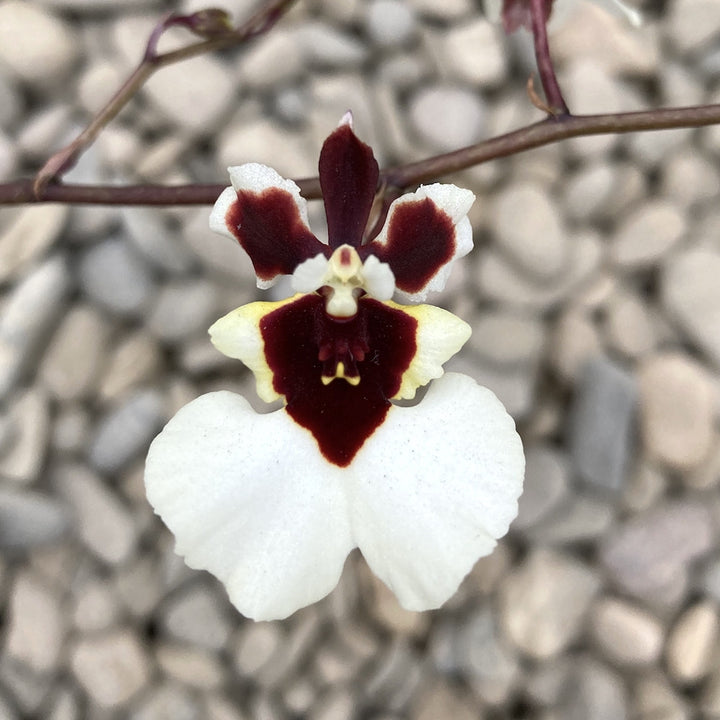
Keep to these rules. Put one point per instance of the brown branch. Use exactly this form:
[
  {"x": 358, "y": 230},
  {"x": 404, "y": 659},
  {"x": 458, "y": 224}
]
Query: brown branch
[
  {"x": 541, "y": 133},
  {"x": 553, "y": 95},
  {"x": 210, "y": 23}
]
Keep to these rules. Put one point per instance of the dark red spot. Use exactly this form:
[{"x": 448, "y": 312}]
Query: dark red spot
[
  {"x": 420, "y": 240},
  {"x": 269, "y": 227},
  {"x": 300, "y": 339},
  {"x": 348, "y": 178},
  {"x": 345, "y": 256}
]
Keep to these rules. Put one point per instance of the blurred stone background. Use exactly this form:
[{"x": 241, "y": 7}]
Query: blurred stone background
[{"x": 593, "y": 292}]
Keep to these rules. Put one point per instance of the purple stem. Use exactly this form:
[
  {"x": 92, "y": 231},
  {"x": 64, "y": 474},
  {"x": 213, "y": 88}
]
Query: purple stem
[{"x": 553, "y": 94}]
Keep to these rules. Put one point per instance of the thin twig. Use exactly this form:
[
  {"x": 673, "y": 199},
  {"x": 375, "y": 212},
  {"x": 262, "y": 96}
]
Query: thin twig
[
  {"x": 553, "y": 94},
  {"x": 545, "y": 132},
  {"x": 67, "y": 157}
]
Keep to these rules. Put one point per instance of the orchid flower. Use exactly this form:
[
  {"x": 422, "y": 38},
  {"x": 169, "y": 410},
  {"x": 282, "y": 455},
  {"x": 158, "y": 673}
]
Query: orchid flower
[
  {"x": 273, "y": 503},
  {"x": 517, "y": 13}
]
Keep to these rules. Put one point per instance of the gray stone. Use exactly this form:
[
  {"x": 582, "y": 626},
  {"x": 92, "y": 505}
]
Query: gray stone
[
  {"x": 36, "y": 628},
  {"x": 62, "y": 704},
  {"x": 326, "y": 47},
  {"x": 546, "y": 485},
  {"x": 44, "y": 131},
  {"x": 29, "y": 416},
  {"x": 649, "y": 555},
  {"x": 28, "y": 236},
  {"x": 28, "y": 519},
  {"x": 441, "y": 699},
  {"x": 112, "y": 275},
  {"x": 593, "y": 692},
  {"x": 677, "y": 410},
  {"x": 528, "y": 227},
  {"x": 260, "y": 67},
  {"x": 544, "y": 602},
  {"x": 474, "y": 52},
  {"x": 48, "y": 50},
  {"x": 395, "y": 677},
  {"x": 198, "y": 616},
  {"x": 655, "y": 698},
  {"x": 629, "y": 326},
  {"x": 30, "y": 310},
  {"x": 256, "y": 645},
  {"x": 507, "y": 339},
  {"x": 647, "y": 234},
  {"x": 625, "y": 633},
  {"x": 337, "y": 704},
  {"x": 139, "y": 586},
  {"x": 182, "y": 310},
  {"x": 390, "y": 23},
  {"x": 167, "y": 702},
  {"x": 190, "y": 666},
  {"x": 447, "y": 117},
  {"x": 112, "y": 668},
  {"x": 574, "y": 343},
  {"x": 691, "y": 294},
  {"x": 600, "y": 431},
  {"x": 155, "y": 240},
  {"x": 692, "y": 644},
  {"x": 73, "y": 358},
  {"x": 134, "y": 360},
  {"x": 693, "y": 23},
  {"x": 95, "y": 606},
  {"x": 104, "y": 524},
  {"x": 71, "y": 430},
  {"x": 126, "y": 430},
  {"x": 580, "y": 518}
]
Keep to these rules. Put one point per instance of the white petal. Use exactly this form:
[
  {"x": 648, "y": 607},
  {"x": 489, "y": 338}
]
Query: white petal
[
  {"x": 250, "y": 499},
  {"x": 310, "y": 275},
  {"x": 378, "y": 279},
  {"x": 434, "y": 487},
  {"x": 219, "y": 212}
]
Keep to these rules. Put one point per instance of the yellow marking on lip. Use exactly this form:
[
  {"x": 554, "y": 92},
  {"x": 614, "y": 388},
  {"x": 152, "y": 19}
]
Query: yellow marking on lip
[{"x": 340, "y": 373}]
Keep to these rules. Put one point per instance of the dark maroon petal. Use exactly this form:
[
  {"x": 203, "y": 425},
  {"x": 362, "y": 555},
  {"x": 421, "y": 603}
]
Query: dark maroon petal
[
  {"x": 271, "y": 230},
  {"x": 420, "y": 240},
  {"x": 302, "y": 343},
  {"x": 348, "y": 178}
]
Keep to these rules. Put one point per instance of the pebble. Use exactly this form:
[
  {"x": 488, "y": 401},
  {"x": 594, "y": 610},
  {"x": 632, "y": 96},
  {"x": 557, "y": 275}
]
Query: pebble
[
  {"x": 626, "y": 634},
  {"x": 95, "y": 606},
  {"x": 36, "y": 628},
  {"x": 692, "y": 23},
  {"x": 485, "y": 658},
  {"x": 48, "y": 49},
  {"x": 655, "y": 698},
  {"x": 182, "y": 309},
  {"x": 28, "y": 236},
  {"x": 677, "y": 410},
  {"x": 260, "y": 67},
  {"x": 575, "y": 342},
  {"x": 155, "y": 241},
  {"x": 103, "y": 523},
  {"x": 198, "y": 616},
  {"x": 139, "y": 586},
  {"x": 593, "y": 692},
  {"x": 447, "y": 117},
  {"x": 44, "y": 132},
  {"x": 441, "y": 699},
  {"x": 29, "y": 415},
  {"x": 28, "y": 519},
  {"x": 647, "y": 235},
  {"x": 334, "y": 705},
  {"x": 528, "y": 228},
  {"x": 27, "y": 688},
  {"x": 600, "y": 425},
  {"x": 256, "y": 645},
  {"x": 581, "y": 519},
  {"x": 111, "y": 668},
  {"x": 195, "y": 95},
  {"x": 515, "y": 387},
  {"x": 649, "y": 555},
  {"x": 450, "y": 10},
  {"x": 390, "y": 23},
  {"x": 112, "y": 275},
  {"x": 689, "y": 178},
  {"x": 547, "y": 482},
  {"x": 126, "y": 430},
  {"x": 629, "y": 326},
  {"x": 28, "y": 313},
  {"x": 543, "y": 602},
  {"x": 71, "y": 363},
  {"x": 327, "y": 47},
  {"x": 190, "y": 666},
  {"x": 692, "y": 643},
  {"x": 134, "y": 360},
  {"x": 167, "y": 700},
  {"x": 691, "y": 295},
  {"x": 474, "y": 52},
  {"x": 587, "y": 190},
  {"x": 499, "y": 281}
]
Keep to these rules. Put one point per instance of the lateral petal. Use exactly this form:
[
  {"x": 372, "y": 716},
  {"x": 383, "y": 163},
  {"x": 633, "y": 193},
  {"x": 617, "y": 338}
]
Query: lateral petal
[
  {"x": 267, "y": 215},
  {"x": 425, "y": 232},
  {"x": 249, "y": 498},
  {"x": 435, "y": 488}
]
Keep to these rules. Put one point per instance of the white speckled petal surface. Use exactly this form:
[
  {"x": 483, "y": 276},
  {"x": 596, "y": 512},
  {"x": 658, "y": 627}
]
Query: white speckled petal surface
[
  {"x": 250, "y": 499},
  {"x": 434, "y": 488}
]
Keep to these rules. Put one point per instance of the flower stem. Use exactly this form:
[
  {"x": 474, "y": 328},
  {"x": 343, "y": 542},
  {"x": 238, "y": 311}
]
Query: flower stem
[{"x": 556, "y": 103}]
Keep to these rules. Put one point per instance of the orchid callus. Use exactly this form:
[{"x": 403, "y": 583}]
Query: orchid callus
[{"x": 272, "y": 504}]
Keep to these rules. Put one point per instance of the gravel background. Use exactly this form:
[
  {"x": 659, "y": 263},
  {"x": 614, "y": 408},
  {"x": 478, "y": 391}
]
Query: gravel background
[{"x": 594, "y": 297}]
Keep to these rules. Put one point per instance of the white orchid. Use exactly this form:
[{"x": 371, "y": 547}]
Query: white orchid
[{"x": 273, "y": 503}]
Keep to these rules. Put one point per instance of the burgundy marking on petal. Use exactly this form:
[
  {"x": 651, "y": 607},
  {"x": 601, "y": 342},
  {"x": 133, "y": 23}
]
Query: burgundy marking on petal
[
  {"x": 348, "y": 178},
  {"x": 270, "y": 229},
  {"x": 300, "y": 339},
  {"x": 420, "y": 240}
]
